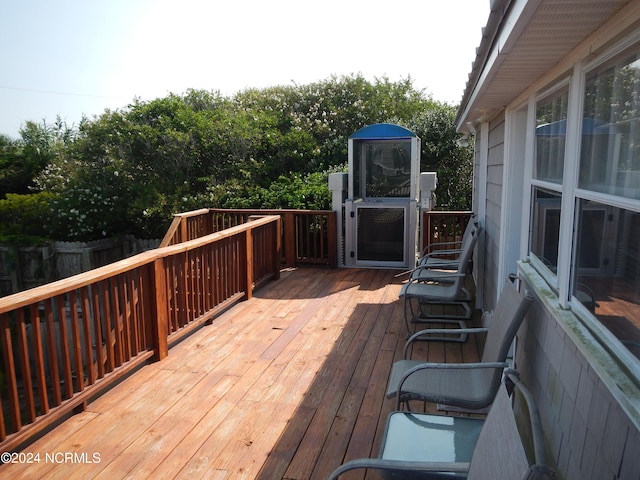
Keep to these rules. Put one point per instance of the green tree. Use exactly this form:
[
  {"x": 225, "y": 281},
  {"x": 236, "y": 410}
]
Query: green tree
[
  {"x": 129, "y": 170},
  {"x": 22, "y": 160},
  {"x": 443, "y": 153}
]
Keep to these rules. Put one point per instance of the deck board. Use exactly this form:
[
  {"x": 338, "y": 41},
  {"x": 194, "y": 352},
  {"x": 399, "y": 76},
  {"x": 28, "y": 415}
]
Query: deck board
[{"x": 287, "y": 385}]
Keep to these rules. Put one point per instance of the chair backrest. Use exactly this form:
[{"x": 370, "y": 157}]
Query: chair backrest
[
  {"x": 509, "y": 313},
  {"x": 499, "y": 454},
  {"x": 470, "y": 236},
  {"x": 467, "y": 247},
  {"x": 471, "y": 226}
]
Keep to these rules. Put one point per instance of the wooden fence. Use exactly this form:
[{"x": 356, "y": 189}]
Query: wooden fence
[
  {"x": 62, "y": 343},
  {"x": 309, "y": 237},
  {"x": 23, "y": 267}
]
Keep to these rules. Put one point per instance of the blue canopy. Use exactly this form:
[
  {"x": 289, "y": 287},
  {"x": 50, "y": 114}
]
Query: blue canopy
[{"x": 382, "y": 131}]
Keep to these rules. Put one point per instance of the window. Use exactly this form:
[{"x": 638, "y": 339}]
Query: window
[
  {"x": 546, "y": 226},
  {"x": 585, "y": 198},
  {"x": 548, "y": 169},
  {"x": 386, "y": 167},
  {"x": 610, "y": 156},
  {"x": 551, "y": 132}
]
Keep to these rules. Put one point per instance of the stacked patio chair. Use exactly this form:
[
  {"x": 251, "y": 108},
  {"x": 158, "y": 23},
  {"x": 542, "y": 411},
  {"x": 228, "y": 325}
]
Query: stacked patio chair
[
  {"x": 446, "y": 255},
  {"x": 424, "y": 446},
  {"x": 464, "y": 385},
  {"x": 428, "y": 286}
]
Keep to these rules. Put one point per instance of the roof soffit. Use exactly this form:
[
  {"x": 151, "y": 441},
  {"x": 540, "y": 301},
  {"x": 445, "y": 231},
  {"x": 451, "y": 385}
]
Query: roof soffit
[{"x": 526, "y": 42}]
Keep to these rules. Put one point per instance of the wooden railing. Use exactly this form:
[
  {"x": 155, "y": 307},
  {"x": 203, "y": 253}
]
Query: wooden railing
[
  {"x": 443, "y": 227},
  {"x": 309, "y": 237},
  {"x": 62, "y": 343}
]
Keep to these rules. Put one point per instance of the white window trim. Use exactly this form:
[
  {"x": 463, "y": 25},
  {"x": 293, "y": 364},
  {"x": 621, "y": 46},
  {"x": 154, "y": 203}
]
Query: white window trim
[
  {"x": 570, "y": 181},
  {"x": 513, "y": 181}
]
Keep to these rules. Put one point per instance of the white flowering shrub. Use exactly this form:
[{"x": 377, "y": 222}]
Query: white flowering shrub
[{"x": 81, "y": 214}]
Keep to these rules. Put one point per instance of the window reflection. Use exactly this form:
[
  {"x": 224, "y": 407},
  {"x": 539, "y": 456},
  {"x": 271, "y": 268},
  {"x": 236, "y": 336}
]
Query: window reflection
[
  {"x": 610, "y": 153},
  {"x": 551, "y": 132},
  {"x": 546, "y": 227},
  {"x": 387, "y": 169},
  {"x": 607, "y": 268}
]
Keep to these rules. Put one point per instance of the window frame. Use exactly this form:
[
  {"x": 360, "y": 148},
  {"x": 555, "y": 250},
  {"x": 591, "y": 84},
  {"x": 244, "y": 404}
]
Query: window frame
[{"x": 565, "y": 83}]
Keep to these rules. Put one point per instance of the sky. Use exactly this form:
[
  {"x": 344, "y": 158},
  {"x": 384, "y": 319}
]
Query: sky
[{"x": 71, "y": 58}]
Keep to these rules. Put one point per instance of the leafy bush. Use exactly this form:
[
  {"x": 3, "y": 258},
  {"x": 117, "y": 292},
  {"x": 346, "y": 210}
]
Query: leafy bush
[{"x": 22, "y": 217}]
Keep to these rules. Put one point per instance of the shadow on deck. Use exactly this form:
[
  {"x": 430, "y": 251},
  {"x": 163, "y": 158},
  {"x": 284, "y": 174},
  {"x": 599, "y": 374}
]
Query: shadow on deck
[{"x": 287, "y": 385}]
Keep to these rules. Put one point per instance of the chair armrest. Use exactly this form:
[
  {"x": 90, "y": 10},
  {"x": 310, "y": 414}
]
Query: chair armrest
[
  {"x": 437, "y": 469},
  {"x": 437, "y": 253},
  {"x": 434, "y": 277},
  {"x": 422, "y": 274},
  {"x": 429, "y": 331},
  {"x": 438, "y": 244}
]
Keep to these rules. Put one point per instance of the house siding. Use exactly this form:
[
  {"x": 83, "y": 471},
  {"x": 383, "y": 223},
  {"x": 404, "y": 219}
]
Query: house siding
[{"x": 588, "y": 434}]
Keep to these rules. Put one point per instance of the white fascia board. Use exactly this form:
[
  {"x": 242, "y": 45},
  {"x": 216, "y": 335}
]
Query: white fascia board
[{"x": 511, "y": 28}]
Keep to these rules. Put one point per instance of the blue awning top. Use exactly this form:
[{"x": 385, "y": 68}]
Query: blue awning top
[{"x": 382, "y": 131}]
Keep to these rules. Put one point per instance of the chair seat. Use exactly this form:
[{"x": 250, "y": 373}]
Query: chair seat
[
  {"x": 440, "y": 292},
  {"x": 420, "y": 437},
  {"x": 471, "y": 388}
]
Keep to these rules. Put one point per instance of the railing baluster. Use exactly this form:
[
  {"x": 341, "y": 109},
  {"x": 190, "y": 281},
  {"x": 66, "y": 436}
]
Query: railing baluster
[
  {"x": 10, "y": 374},
  {"x": 125, "y": 315},
  {"x": 100, "y": 334},
  {"x": 38, "y": 356},
  {"x": 52, "y": 355},
  {"x": 76, "y": 342},
  {"x": 88, "y": 338},
  {"x": 23, "y": 357}
]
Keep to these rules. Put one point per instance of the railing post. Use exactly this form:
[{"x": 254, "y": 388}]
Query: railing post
[
  {"x": 278, "y": 249},
  {"x": 184, "y": 232},
  {"x": 249, "y": 261},
  {"x": 290, "y": 252},
  {"x": 159, "y": 316},
  {"x": 332, "y": 239}
]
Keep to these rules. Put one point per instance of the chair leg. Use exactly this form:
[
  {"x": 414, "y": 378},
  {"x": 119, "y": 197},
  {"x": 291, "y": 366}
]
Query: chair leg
[
  {"x": 422, "y": 315},
  {"x": 417, "y": 317}
]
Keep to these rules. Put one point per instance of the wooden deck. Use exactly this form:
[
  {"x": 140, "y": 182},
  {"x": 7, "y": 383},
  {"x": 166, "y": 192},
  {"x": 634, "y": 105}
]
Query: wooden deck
[{"x": 287, "y": 385}]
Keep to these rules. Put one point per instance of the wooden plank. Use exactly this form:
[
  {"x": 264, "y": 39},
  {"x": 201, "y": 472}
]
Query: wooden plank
[
  {"x": 352, "y": 408},
  {"x": 143, "y": 455},
  {"x": 286, "y": 385},
  {"x": 331, "y": 388}
]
